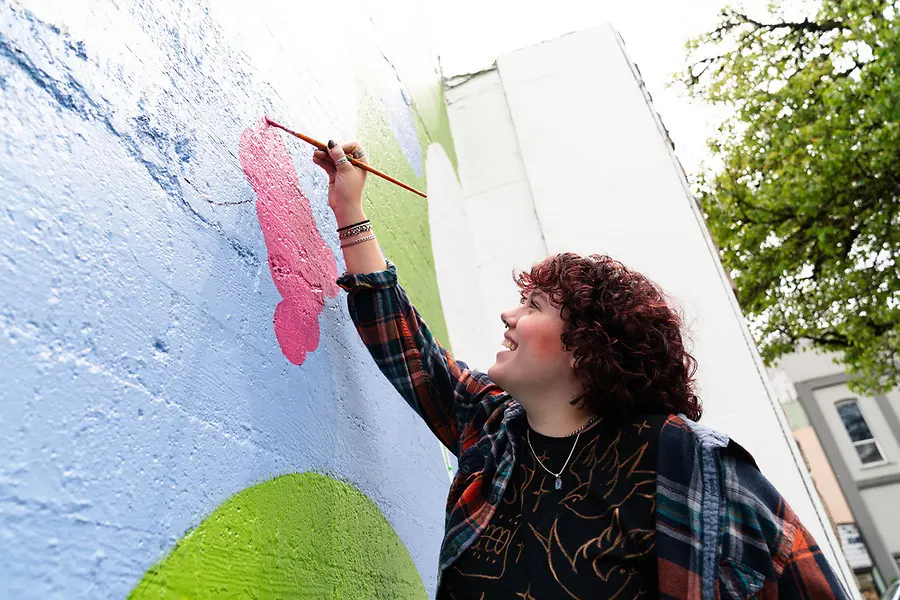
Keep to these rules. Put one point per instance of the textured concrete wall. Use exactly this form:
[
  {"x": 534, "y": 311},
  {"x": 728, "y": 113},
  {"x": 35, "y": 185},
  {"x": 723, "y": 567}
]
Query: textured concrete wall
[{"x": 175, "y": 358}]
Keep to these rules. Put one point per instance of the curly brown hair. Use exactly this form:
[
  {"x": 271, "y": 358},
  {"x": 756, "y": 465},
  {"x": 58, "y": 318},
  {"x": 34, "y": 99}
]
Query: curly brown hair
[{"x": 627, "y": 342}]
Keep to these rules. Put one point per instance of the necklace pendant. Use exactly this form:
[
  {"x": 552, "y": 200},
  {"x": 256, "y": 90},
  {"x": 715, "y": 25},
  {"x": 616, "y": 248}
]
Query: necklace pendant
[{"x": 558, "y": 484}]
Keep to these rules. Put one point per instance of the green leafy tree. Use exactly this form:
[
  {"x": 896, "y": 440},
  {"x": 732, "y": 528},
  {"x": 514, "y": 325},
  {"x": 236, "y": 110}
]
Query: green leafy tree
[{"x": 803, "y": 201}]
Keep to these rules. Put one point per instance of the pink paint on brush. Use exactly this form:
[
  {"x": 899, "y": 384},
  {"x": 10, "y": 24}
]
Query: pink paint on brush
[{"x": 302, "y": 265}]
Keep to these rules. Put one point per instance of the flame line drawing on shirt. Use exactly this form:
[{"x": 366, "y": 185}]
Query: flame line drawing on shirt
[{"x": 519, "y": 490}]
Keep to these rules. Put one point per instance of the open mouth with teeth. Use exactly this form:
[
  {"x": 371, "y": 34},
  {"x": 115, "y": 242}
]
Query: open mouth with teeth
[{"x": 509, "y": 345}]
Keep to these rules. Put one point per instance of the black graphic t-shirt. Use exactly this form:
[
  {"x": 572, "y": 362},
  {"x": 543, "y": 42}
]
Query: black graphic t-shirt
[{"x": 592, "y": 538}]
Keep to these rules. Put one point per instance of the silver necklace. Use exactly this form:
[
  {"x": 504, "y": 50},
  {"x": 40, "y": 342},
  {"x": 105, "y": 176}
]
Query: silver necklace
[{"x": 558, "y": 476}]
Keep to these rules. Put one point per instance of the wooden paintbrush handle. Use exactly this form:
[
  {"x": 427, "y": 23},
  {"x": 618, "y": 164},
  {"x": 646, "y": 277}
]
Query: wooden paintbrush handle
[
  {"x": 374, "y": 171},
  {"x": 353, "y": 161}
]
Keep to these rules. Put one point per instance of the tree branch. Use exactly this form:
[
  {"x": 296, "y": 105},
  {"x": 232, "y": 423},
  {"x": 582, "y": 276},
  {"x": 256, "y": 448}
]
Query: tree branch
[
  {"x": 828, "y": 338},
  {"x": 706, "y": 63},
  {"x": 805, "y": 25}
]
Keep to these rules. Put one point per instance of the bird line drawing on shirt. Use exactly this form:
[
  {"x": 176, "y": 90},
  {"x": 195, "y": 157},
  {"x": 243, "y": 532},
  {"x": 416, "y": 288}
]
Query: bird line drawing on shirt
[
  {"x": 616, "y": 537},
  {"x": 615, "y": 475},
  {"x": 613, "y": 470},
  {"x": 573, "y": 566},
  {"x": 610, "y": 469}
]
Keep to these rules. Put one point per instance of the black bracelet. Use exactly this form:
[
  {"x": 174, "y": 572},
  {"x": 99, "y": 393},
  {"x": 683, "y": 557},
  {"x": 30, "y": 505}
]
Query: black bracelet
[{"x": 354, "y": 225}]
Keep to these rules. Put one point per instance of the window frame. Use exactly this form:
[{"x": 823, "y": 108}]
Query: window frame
[{"x": 854, "y": 444}]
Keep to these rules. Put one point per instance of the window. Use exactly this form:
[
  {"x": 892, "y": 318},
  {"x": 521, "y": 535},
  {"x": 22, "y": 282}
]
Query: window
[{"x": 860, "y": 436}]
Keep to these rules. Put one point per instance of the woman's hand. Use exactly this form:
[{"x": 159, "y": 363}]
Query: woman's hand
[
  {"x": 345, "y": 182},
  {"x": 345, "y": 191}
]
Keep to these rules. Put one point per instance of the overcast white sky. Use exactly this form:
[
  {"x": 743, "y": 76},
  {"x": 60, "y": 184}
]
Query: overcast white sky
[{"x": 470, "y": 34}]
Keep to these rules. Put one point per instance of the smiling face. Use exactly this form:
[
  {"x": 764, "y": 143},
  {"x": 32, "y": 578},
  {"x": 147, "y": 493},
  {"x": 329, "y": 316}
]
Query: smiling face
[{"x": 532, "y": 359}]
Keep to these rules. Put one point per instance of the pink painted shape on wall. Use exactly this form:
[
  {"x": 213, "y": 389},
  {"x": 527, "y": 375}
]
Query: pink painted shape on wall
[{"x": 302, "y": 265}]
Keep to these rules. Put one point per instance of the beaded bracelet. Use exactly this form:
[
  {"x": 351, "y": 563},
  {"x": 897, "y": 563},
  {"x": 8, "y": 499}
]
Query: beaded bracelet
[
  {"x": 359, "y": 241},
  {"x": 340, "y": 229},
  {"x": 348, "y": 233}
]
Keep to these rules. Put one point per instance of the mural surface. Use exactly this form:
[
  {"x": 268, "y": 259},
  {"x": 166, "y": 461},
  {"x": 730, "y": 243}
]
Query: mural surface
[
  {"x": 187, "y": 410},
  {"x": 301, "y": 264},
  {"x": 298, "y": 536}
]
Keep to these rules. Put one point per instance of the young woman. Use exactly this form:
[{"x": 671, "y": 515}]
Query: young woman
[{"x": 582, "y": 471}]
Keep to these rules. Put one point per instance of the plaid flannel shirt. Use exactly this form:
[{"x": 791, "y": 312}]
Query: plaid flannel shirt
[{"x": 723, "y": 531}]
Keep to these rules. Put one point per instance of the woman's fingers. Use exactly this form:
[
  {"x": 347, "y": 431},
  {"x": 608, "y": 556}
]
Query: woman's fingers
[
  {"x": 336, "y": 155},
  {"x": 341, "y": 161},
  {"x": 354, "y": 150},
  {"x": 322, "y": 159},
  {"x": 345, "y": 182}
]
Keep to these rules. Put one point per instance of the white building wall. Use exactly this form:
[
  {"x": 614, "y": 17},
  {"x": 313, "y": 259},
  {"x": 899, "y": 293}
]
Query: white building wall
[
  {"x": 809, "y": 364},
  {"x": 597, "y": 174},
  {"x": 504, "y": 225},
  {"x": 894, "y": 400},
  {"x": 453, "y": 245}
]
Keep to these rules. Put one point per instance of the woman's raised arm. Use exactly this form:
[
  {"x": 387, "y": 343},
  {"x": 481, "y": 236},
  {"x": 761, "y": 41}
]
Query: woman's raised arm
[
  {"x": 345, "y": 191},
  {"x": 443, "y": 391}
]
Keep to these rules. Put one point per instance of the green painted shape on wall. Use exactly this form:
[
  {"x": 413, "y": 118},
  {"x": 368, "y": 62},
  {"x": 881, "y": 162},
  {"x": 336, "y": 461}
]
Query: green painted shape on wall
[
  {"x": 400, "y": 218},
  {"x": 297, "y": 536},
  {"x": 433, "y": 123}
]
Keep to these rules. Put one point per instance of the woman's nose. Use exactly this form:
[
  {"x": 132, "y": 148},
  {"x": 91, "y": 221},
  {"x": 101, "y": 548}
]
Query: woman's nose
[{"x": 508, "y": 318}]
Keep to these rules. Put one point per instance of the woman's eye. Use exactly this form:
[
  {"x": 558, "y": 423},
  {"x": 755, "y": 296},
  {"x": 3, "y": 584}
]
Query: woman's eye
[{"x": 534, "y": 304}]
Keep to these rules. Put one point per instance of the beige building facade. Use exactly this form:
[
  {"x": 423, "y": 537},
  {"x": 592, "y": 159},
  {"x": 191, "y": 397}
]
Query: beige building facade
[{"x": 851, "y": 445}]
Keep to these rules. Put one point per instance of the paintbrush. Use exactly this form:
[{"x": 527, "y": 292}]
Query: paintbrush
[{"x": 353, "y": 161}]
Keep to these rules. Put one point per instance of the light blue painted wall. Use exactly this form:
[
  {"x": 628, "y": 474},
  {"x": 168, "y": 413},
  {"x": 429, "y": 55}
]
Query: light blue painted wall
[{"x": 142, "y": 384}]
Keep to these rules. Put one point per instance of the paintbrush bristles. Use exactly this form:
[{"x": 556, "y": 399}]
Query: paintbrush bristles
[
  {"x": 353, "y": 161},
  {"x": 305, "y": 138}
]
